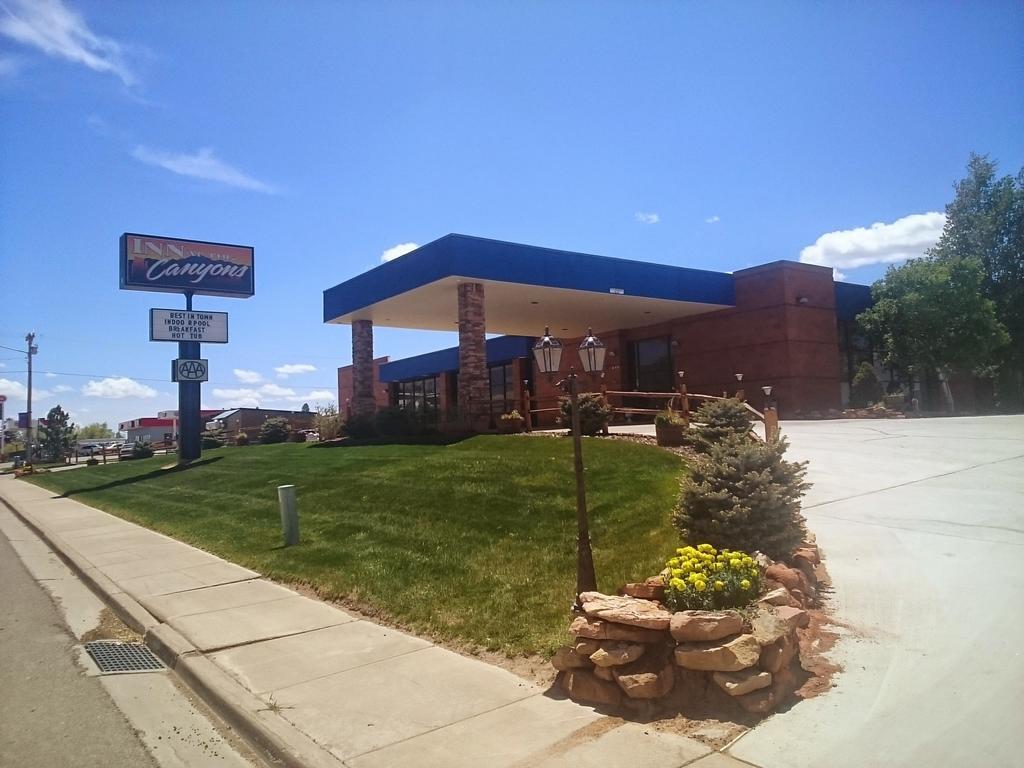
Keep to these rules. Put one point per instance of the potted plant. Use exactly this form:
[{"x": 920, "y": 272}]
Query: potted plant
[
  {"x": 511, "y": 422},
  {"x": 669, "y": 427}
]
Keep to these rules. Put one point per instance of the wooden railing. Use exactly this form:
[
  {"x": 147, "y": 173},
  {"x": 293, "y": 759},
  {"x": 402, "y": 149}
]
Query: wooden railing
[{"x": 678, "y": 402}]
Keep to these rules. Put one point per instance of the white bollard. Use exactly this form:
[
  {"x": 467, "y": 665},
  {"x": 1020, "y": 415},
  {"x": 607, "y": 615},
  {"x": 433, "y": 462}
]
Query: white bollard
[{"x": 289, "y": 514}]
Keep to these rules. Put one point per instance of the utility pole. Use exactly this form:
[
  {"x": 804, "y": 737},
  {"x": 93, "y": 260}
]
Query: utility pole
[{"x": 32, "y": 349}]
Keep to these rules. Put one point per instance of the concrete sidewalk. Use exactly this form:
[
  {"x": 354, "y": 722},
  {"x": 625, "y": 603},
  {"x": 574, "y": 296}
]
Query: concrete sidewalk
[{"x": 317, "y": 686}]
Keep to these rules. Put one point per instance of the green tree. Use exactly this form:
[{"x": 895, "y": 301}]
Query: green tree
[
  {"x": 96, "y": 431},
  {"x": 305, "y": 407},
  {"x": 56, "y": 434},
  {"x": 985, "y": 220},
  {"x": 930, "y": 316},
  {"x": 274, "y": 431}
]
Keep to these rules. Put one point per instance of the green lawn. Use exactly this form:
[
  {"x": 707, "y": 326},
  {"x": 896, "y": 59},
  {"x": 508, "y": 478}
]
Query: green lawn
[{"x": 472, "y": 542}]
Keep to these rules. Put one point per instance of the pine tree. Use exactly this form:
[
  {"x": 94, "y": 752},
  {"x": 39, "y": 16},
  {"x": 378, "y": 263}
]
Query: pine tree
[
  {"x": 744, "y": 495},
  {"x": 56, "y": 434}
]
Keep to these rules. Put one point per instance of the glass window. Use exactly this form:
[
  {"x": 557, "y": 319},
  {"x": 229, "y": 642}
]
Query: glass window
[
  {"x": 504, "y": 392},
  {"x": 417, "y": 395}
]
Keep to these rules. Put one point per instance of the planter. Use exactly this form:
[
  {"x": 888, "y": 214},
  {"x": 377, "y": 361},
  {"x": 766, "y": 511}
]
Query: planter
[
  {"x": 510, "y": 426},
  {"x": 670, "y": 434}
]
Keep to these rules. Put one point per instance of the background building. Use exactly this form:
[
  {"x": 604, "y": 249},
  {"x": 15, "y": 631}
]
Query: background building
[{"x": 249, "y": 420}]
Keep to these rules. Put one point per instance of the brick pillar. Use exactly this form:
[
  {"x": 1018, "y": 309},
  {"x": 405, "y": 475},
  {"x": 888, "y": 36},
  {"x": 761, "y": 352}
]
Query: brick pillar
[
  {"x": 473, "y": 382},
  {"x": 363, "y": 401}
]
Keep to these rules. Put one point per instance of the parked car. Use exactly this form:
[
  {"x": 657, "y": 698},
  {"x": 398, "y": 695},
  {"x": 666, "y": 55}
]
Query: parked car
[
  {"x": 126, "y": 451},
  {"x": 86, "y": 449}
]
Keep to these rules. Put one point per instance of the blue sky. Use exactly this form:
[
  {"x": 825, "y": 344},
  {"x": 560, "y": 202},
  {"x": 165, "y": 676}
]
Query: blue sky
[{"x": 324, "y": 134}]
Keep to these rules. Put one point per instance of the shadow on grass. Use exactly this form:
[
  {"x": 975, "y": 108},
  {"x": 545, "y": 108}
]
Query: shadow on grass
[
  {"x": 161, "y": 472},
  {"x": 358, "y": 442}
]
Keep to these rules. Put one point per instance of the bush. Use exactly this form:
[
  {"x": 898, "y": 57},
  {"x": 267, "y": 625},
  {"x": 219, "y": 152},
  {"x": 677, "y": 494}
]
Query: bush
[
  {"x": 744, "y": 495},
  {"x": 297, "y": 437},
  {"x": 360, "y": 427},
  {"x": 328, "y": 421},
  {"x": 394, "y": 422},
  {"x": 242, "y": 439},
  {"x": 274, "y": 430},
  {"x": 92, "y": 461},
  {"x": 703, "y": 578},
  {"x": 865, "y": 388},
  {"x": 142, "y": 451},
  {"x": 594, "y": 413},
  {"x": 214, "y": 439},
  {"x": 719, "y": 420}
]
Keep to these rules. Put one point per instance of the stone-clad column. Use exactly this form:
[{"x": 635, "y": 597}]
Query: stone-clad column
[
  {"x": 473, "y": 382},
  {"x": 363, "y": 402}
]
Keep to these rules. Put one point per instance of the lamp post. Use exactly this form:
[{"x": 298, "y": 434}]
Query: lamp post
[
  {"x": 547, "y": 353},
  {"x": 771, "y": 418},
  {"x": 767, "y": 389}
]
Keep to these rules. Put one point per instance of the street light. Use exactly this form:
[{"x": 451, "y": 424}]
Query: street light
[{"x": 547, "y": 352}]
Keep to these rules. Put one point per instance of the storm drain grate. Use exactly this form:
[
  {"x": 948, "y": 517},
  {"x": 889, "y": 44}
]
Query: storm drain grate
[{"x": 114, "y": 657}]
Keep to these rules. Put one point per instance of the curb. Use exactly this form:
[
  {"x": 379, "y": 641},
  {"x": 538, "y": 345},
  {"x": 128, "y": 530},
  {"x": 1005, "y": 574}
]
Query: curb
[{"x": 232, "y": 702}]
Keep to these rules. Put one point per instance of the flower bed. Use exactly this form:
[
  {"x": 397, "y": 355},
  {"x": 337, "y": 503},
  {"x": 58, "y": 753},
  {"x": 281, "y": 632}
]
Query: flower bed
[{"x": 669, "y": 639}]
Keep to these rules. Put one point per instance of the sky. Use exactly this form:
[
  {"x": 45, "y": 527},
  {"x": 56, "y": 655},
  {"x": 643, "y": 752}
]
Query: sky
[{"x": 332, "y": 135}]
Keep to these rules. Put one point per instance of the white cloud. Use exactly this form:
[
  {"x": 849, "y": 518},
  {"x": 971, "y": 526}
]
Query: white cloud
[
  {"x": 906, "y": 238},
  {"x": 321, "y": 394},
  {"x": 15, "y": 390},
  {"x": 201, "y": 165},
  {"x": 247, "y": 377},
  {"x": 395, "y": 251},
  {"x": 58, "y": 31},
  {"x": 647, "y": 217},
  {"x": 291, "y": 369},
  {"x": 712, "y": 220},
  {"x": 117, "y": 388},
  {"x": 275, "y": 390},
  {"x": 237, "y": 398},
  {"x": 51, "y": 375},
  {"x": 63, "y": 388}
]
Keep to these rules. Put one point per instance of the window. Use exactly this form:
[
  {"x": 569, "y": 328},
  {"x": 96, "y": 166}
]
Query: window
[
  {"x": 504, "y": 390},
  {"x": 417, "y": 395}
]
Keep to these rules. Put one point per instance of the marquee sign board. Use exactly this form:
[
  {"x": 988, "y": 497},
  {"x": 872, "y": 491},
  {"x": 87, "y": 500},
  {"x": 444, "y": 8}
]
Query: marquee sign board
[
  {"x": 188, "y": 325},
  {"x": 190, "y": 370},
  {"x": 171, "y": 265}
]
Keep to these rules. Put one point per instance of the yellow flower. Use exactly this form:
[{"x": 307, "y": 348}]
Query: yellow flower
[
  {"x": 700, "y": 586},
  {"x": 705, "y": 548},
  {"x": 677, "y": 572},
  {"x": 689, "y": 551},
  {"x": 674, "y": 562},
  {"x": 719, "y": 586},
  {"x": 744, "y": 584},
  {"x": 680, "y": 551},
  {"x": 677, "y": 584},
  {"x": 735, "y": 563},
  {"x": 747, "y": 561},
  {"x": 695, "y": 577},
  {"x": 718, "y": 567}
]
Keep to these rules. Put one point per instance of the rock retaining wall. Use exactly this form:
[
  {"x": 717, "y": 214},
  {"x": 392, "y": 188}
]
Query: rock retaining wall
[{"x": 628, "y": 648}]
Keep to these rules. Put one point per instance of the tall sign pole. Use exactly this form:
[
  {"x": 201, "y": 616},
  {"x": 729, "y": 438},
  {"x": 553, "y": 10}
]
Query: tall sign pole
[
  {"x": 31, "y": 337},
  {"x": 194, "y": 268},
  {"x": 190, "y": 444}
]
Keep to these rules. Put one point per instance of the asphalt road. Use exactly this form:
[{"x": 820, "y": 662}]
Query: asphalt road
[
  {"x": 51, "y": 713},
  {"x": 922, "y": 524}
]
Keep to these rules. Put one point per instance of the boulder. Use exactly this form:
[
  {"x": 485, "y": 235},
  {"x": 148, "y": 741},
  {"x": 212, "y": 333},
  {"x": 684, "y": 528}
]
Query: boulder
[
  {"x": 757, "y": 702},
  {"x": 768, "y": 626},
  {"x": 566, "y": 659},
  {"x": 584, "y": 687},
  {"x": 605, "y": 673},
  {"x": 808, "y": 552},
  {"x": 738, "y": 653},
  {"x": 778, "y": 655},
  {"x": 652, "y": 589},
  {"x": 777, "y": 596},
  {"x": 740, "y": 683},
  {"x": 649, "y": 678},
  {"x": 701, "y": 626},
  {"x": 784, "y": 575},
  {"x": 586, "y": 647},
  {"x": 615, "y": 654},
  {"x": 596, "y": 629},
  {"x": 625, "y": 610},
  {"x": 794, "y": 617}
]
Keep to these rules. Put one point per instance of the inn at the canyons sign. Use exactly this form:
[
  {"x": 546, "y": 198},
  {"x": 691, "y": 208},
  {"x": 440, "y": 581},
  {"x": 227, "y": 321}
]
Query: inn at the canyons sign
[{"x": 170, "y": 265}]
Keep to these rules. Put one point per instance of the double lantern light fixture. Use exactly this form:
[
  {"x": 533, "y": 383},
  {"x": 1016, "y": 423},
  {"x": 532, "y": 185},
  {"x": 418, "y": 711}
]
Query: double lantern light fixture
[{"x": 547, "y": 353}]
